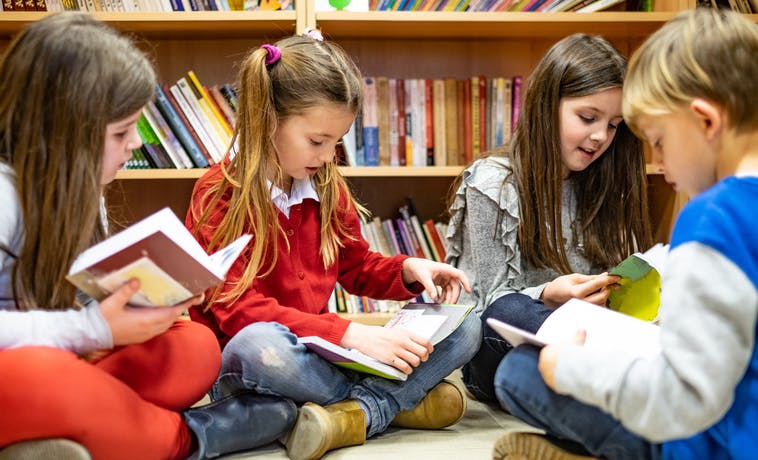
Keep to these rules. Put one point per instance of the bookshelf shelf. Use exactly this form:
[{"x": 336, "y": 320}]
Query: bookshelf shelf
[
  {"x": 427, "y": 25},
  {"x": 347, "y": 171},
  {"x": 186, "y": 24}
]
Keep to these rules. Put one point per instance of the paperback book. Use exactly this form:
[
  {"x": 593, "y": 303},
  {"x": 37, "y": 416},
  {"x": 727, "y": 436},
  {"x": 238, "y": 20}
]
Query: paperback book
[
  {"x": 162, "y": 254},
  {"x": 430, "y": 320},
  {"x": 604, "y": 327},
  {"x": 639, "y": 294}
]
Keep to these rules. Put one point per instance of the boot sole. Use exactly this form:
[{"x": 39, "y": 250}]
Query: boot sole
[
  {"x": 530, "y": 446},
  {"x": 59, "y": 449},
  {"x": 311, "y": 436}
]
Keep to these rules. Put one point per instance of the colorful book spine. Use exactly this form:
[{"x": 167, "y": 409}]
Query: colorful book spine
[{"x": 179, "y": 128}]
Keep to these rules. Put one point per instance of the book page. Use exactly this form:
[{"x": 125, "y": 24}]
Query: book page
[
  {"x": 417, "y": 322},
  {"x": 605, "y": 328},
  {"x": 157, "y": 288}
]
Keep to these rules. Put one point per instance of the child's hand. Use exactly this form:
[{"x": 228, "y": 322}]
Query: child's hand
[
  {"x": 549, "y": 358},
  {"x": 433, "y": 274},
  {"x": 397, "y": 347},
  {"x": 136, "y": 325},
  {"x": 591, "y": 288}
]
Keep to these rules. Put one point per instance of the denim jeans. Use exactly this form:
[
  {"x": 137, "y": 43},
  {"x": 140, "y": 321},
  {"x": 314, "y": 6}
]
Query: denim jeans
[
  {"x": 517, "y": 309},
  {"x": 522, "y": 392},
  {"x": 266, "y": 358}
]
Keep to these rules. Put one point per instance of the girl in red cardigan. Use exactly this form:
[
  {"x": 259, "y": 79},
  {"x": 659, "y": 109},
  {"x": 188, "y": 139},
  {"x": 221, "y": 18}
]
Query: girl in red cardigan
[
  {"x": 85, "y": 379},
  {"x": 281, "y": 184}
]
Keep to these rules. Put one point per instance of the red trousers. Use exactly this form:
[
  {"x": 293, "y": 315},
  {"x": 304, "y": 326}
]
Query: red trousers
[{"x": 124, "y": 406}]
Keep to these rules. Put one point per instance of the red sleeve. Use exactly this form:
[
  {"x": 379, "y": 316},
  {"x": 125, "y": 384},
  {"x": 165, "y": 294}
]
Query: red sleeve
[
  {"x": 266, "y": 300},
  {"x": 368, "y": 273}
]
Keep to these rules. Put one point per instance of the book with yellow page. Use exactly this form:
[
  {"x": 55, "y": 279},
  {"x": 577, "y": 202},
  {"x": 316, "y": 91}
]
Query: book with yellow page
[
  {"x": 639, "y": 292},
  {"x": 162, "y": 254}
]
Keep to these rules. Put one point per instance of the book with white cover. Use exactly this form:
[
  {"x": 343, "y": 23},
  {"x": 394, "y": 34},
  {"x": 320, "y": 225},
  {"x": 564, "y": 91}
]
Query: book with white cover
[
  {"x": 159, "y": 251},
  {"x": 604, "y": 327},
  {"x": 429, "y": 320}
]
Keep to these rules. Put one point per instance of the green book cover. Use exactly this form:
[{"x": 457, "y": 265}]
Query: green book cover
[{"x": 639, "y": 294}]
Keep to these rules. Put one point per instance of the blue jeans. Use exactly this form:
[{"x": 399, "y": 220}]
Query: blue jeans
[
  {"x": 266, "y": 358},
  {"x": 517, "y": 309},
  {"x": 522, "y": 392}
]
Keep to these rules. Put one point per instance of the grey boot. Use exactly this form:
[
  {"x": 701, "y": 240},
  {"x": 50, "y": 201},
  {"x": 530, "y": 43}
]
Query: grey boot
[{"x": 239, "y": 422}]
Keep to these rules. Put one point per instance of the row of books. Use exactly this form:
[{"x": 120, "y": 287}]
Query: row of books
[
  {"x": 188, "y": 125},
  {"x": 405, "y": 234},
  {"x": 741, "y": 6},
  {"x": 146, "y": 5},
  {"x": 403, "y": 122},
  {"x": 547, "y": 6},
  {"x": 432, "y": 122}
]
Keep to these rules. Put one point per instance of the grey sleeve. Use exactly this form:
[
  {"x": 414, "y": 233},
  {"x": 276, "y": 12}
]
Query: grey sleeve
[
  {"x": 708, "y": 318},
  {"x": 79, "y": 331},
  {"x": 484, "y": 256}
]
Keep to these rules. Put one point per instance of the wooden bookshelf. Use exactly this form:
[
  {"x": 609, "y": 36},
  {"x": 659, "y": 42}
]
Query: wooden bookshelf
[{"x": 395, "y": 44}]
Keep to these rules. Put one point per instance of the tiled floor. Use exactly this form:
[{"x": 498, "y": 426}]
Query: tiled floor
[{"x": 471, "y": 438}]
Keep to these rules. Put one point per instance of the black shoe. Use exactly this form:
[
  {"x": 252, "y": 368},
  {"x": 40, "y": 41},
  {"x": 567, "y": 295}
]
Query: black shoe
[{"x": 239, "y": 422}]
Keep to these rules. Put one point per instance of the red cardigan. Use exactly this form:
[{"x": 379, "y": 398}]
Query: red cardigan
[{"x": 296, "y": 292}]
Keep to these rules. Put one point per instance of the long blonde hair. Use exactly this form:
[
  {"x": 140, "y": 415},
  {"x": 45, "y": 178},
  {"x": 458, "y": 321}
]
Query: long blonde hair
[
  {"x": 309, "y": 73},
  {"x": 62, "y": 80}
]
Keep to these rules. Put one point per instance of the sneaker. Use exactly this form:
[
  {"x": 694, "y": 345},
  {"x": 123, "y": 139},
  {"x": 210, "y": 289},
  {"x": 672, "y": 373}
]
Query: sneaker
[
  {"x": 443, "y": 406},
  {"x": 531, "y": 446},
  {"x": 45, "y": 449}
]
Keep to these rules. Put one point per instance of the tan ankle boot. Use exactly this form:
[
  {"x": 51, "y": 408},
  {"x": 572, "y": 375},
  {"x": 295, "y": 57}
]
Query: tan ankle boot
[
  {"x": 443, "y": 406},
  {"x": 321, "y": 429}
]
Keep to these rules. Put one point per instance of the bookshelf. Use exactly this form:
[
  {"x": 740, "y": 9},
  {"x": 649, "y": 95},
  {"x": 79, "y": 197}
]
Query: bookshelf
[{"x": 393, "y": 44}]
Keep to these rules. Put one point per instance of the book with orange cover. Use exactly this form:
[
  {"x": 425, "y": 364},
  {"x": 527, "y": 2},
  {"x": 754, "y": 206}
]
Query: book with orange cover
[{"x": 437, "y": 243}]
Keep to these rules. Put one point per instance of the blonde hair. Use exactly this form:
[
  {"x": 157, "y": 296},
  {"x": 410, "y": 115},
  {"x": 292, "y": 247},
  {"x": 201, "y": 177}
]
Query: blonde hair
[
  {"x": 702, "y": 53},
  {"x": 62, "y": 80},
  {"x": 309, "y": 73}
]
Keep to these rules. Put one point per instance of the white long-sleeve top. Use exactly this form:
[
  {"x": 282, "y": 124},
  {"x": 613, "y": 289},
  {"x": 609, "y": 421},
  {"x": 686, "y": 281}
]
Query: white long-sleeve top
[{"x": 79, "y": 331}]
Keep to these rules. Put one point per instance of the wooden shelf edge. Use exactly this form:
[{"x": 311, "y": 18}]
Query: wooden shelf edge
[
  {"x": 179, "y": 24},
  {"x": 347, "y": 171},
  {"x": 481, "y": 25}
]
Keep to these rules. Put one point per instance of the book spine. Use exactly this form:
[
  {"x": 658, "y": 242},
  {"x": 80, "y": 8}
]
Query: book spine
[
  {"x": 516, "y": 101},
  {"x": 438, "y": 122},
  {"x": 197, "y": 124},
  {"x": 167, "y": 137},
  {"x": 383, "y": 119},
  {"x": 370, "y": 123},
  {"x": 179, "y": 128},
  {"x": 204, "y": 112},
  {"x": 204, "y": 95}
]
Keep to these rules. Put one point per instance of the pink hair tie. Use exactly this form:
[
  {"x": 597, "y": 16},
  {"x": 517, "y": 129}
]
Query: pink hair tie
[{"x": 272, "y": 53}]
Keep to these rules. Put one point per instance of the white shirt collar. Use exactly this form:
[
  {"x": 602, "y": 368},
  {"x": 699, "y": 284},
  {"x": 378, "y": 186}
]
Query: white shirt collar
[{"x": 301, "y": 190}]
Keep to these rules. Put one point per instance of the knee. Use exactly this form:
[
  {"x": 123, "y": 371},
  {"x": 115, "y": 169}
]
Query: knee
[
  {"x": 501, "y": 306},
  {"x": 256, "y": 342},
  {"x": 516, "y": 374}
]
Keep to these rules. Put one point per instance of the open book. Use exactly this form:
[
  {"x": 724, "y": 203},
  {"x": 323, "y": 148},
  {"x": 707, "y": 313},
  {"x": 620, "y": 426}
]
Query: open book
[
  {"x": 159, "y": 251},
  {"x": 605, "y": 328},
  {"x": 640, "y": 285},
  {"x": 430, "y": 320}
]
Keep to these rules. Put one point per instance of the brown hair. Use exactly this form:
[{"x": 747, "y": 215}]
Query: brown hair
[
  {"x": 309, "y": 73},
  {"x": 611, "y": 193},
  {"x": 62, "y": 80}
]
